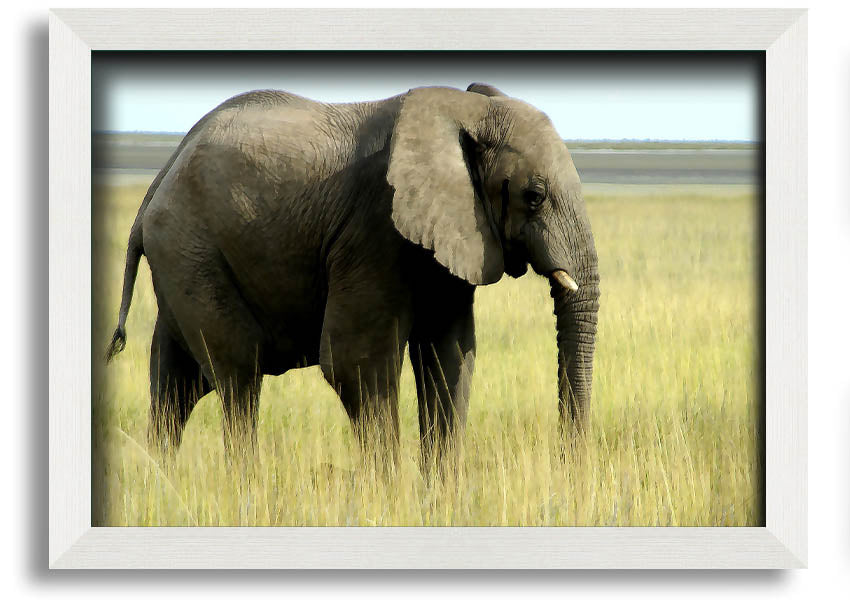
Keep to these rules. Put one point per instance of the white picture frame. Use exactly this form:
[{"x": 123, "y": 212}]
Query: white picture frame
[{"x": 74, "y": 543}]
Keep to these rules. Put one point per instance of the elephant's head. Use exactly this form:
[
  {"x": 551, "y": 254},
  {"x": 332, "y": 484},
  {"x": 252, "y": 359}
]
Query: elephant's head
[{"x": 486, "y": 182}]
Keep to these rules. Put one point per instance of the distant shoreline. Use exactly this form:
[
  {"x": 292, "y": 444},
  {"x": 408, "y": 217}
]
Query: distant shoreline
[
  {"x": 119, "y": 137},
  {"x": 597, "y": 161},
  {"x": 660, "y": 144}
]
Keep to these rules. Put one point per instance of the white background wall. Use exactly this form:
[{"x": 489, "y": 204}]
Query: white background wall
[{"x": 23, "y": 248}]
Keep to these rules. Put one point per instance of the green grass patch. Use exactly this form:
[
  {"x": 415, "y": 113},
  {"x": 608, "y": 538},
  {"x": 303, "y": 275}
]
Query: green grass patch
[{"x": 674, "y": 436}]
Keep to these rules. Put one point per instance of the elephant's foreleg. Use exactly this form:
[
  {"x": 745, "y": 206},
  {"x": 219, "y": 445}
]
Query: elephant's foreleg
[
  {"x": 369, "y": 394},
  {"x": 368, "y": 390},
  {"x": 442, "y": 351},
  {"x": 364, "y": 332}
]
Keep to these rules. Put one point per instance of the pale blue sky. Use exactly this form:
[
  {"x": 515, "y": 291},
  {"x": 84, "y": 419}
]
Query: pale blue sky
[{"x": 588, "y": 96}]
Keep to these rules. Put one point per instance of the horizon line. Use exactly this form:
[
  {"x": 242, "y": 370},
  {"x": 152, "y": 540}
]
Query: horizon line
[{"x": 675, "y": 140}]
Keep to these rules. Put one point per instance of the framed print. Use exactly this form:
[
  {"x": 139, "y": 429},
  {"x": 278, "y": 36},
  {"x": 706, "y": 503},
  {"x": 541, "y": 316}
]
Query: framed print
[{"x": 388, "y": 235}]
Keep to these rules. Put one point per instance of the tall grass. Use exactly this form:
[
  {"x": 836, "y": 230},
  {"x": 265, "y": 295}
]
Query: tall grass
[{"x": 675, "y": 433}]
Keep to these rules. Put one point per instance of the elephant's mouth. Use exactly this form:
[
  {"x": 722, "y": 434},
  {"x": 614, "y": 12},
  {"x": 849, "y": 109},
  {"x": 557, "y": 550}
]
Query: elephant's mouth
[
  {"x": 516, "y": 262},
  {"x": 516, "y": 268}
]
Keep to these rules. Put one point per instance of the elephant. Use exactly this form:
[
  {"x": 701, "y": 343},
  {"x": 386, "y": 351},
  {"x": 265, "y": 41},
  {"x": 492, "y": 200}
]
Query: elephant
[{"x": 285, "y": 232}]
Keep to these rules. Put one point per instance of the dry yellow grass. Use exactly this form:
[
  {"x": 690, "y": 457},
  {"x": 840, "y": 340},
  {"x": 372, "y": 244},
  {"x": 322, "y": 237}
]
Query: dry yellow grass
[{"x": 675, "y": 436}]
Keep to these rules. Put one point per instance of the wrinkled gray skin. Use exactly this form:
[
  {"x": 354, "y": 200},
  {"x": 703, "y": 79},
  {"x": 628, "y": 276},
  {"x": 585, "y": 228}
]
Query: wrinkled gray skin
[{"x": 284, "y": 233}]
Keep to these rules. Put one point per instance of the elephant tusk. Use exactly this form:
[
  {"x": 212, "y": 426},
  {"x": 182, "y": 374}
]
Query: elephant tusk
[{"x": 565, "y": 280}]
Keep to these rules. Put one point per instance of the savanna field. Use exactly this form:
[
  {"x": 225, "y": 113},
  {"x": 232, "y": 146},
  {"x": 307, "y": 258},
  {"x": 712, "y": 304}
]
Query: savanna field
[{"x": 675, "y": 434}]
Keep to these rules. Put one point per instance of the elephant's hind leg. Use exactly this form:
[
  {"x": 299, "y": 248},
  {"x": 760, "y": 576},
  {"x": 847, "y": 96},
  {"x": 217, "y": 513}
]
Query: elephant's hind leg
[
  {"x": 202, "y": 293},
  {"x": 176, "y": 386}
]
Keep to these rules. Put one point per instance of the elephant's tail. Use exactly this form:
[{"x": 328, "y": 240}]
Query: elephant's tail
[{"x": 135, "y": 250}]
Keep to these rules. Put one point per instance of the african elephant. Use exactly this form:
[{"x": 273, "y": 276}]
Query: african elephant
[{"x": 285, "y": 232}]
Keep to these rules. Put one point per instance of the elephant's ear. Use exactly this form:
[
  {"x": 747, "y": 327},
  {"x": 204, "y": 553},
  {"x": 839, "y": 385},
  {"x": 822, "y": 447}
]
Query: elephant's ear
[
  {"x": 435, "y": 203},
  {"x": 485, "y": 89}
]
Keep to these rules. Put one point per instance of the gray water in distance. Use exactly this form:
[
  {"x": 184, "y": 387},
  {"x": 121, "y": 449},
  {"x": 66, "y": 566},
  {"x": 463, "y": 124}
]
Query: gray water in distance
[{"x": 658, "y": 163}]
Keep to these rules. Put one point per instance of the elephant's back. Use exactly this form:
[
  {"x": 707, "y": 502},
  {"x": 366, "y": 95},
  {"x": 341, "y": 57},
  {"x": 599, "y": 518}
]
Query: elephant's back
[
  {"x": 266, "y": 184},
  {"x": 264, "y": 98},
  {"x": 265, "y": 157}
]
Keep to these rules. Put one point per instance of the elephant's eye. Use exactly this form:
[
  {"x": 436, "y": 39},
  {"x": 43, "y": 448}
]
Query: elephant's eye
[{"x": 533, "y": 199}]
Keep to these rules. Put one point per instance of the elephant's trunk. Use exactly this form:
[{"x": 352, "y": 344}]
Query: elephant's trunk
[{"x": 576, "y": 312}]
